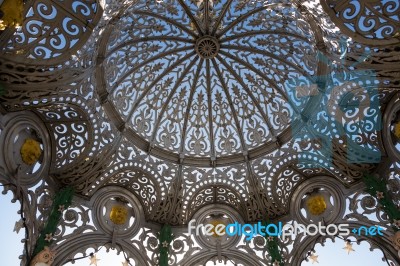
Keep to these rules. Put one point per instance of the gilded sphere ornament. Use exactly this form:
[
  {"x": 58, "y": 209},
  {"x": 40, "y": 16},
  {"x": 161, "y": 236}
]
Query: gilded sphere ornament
[
  {"x": 316, "y": 205},
  {"x": 220, "y": 223},
  {"x": 119, "y": 214},
  {"x": 30, "y": 151},
  {"x": 396, "y": 130}
]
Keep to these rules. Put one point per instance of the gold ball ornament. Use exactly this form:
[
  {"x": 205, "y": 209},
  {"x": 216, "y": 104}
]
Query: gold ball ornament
[
  {"x": 316, "y": 205},
  {"x": 215, "y": 223},
  {"x": 119, "y": 214},
  {"x": 396, "y": 130},
  {"x": 30, "y": 151},
  {"x": 13, "y": 11}
]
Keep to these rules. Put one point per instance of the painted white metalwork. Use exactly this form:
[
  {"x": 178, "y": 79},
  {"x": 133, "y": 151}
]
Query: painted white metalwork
[{"x": 187, "y": 110}]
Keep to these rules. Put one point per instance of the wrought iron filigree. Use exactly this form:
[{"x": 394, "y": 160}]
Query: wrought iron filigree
[
  {"x": 163, "y": 72},
  {"x": 370, "y": 22},
  {"x": 198, "y": 109},
  {"x": 51, "y": 31}
]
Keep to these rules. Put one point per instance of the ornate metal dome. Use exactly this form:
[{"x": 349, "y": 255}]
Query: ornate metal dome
[
  {"x": 146, "y": 117},
  {"x": 207, "y": 84}
]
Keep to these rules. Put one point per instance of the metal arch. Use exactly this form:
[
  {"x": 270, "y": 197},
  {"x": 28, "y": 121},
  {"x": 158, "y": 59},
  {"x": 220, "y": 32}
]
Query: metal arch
[
  {"x": 359, "y": 35},
  {"x": 198, "y": 191},
  {"x": 126, "y": 169},
  {"x": 298, "y": 255},
  {"x": 88, "y": 25},
  {"x": 75, "y": 245},
  {"x": 15, "y": 123},
  {"x": 201, "y": 257}
]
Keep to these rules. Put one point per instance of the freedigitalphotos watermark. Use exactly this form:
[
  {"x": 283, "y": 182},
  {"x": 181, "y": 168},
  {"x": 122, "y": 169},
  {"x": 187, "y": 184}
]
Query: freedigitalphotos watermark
[
  {"x": 345, "y": 107},
  {"x": 281, "y": 230}
]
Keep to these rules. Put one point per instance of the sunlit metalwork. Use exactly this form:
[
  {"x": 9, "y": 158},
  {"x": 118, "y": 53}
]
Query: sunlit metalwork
[{"x": 221, "y": 111}]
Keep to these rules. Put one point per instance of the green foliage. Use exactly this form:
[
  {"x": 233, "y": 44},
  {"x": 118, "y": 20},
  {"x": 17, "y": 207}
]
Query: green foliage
[
  {"x": 62, "y": 198},
  {"x": 165, "y": 238},
  {"x": 273, "y": 249},
  {"x": 373, "y": 185},
  {"x": 274, "y": 252}
]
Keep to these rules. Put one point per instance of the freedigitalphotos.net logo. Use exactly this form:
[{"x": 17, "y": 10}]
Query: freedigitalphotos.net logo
[
  {"x": 281, "y": 230},
  {"x": 344, "y": 106}
]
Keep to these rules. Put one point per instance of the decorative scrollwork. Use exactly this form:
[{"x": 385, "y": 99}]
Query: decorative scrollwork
[
  {"x": 370, "y": 22},
  {"x": 181, "y": 110},
  {"x": 142, "y": 185},
  {"x": 72, "y": 133},
  {"x": 52, "y": 30}
]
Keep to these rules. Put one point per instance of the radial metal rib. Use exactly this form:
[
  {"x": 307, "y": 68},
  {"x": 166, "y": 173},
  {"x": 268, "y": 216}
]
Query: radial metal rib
[
  {"x": 154, "y": 58},
  {"x": 234, "y": 114},
  {"x": 168, "y": 70},
  {"x": 165, "y": 105},
  {"x": 190, "y": 101},
  {"x": 255, "y": 101}
]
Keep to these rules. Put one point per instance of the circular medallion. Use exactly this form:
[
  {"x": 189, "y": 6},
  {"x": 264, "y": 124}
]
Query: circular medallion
[{"x": 207, "y": 47}]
